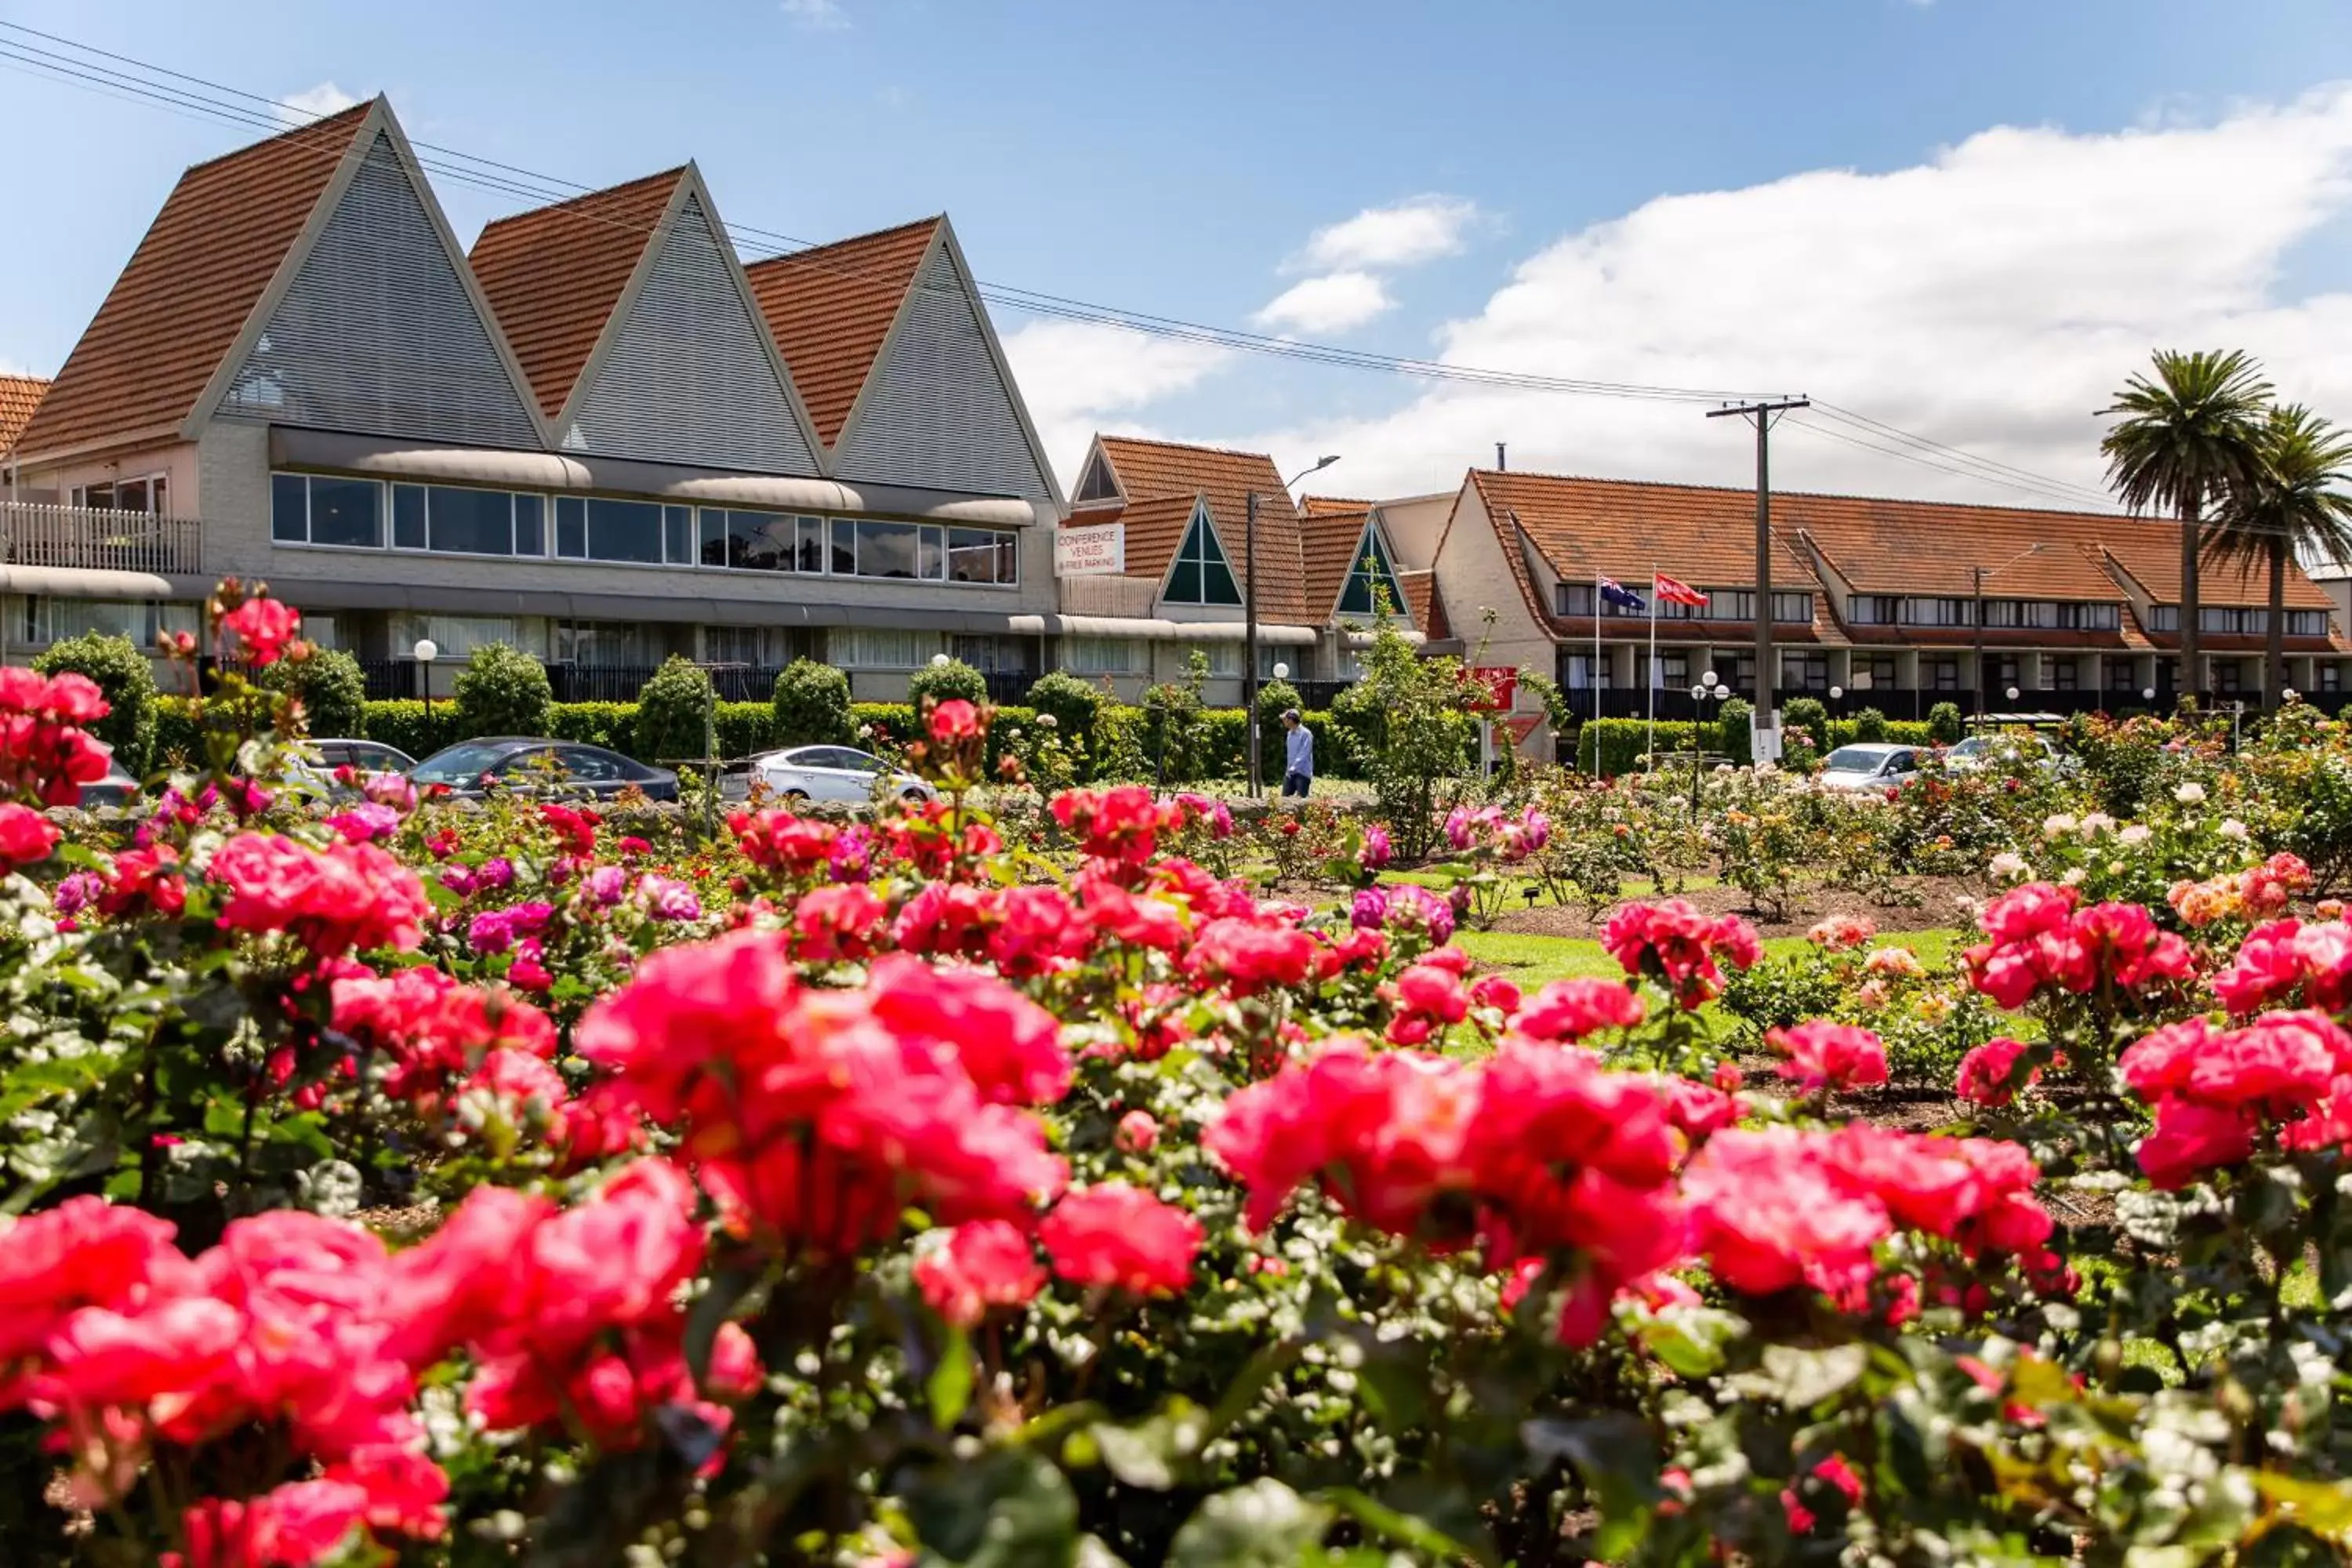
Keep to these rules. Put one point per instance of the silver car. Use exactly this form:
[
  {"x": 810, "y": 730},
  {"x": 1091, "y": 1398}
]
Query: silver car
[
  {"x": 1869, "y": 765},
  {"x": 838, "y": 774}
]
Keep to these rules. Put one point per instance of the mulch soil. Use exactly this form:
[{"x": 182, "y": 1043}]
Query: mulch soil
[{"x": 1924, "y": 902}]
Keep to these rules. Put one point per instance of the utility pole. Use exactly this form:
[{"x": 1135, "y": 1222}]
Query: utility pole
[
  {"x": 1249, "y": 645},
  {"x": 1766, "y": 676}
]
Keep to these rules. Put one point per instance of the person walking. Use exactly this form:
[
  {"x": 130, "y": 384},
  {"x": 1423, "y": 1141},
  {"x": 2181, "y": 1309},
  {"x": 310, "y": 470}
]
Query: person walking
[{"x": 1297, "y": 756}]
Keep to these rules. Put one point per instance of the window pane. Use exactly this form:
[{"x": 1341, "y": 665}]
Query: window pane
[
  {"x": 408, "y": 517},
  {"x": 472, "y": 523},
  {"x": 1008, "y": 558},
  {"x": 530, "y": 526},
  {"x": 344, "y": 511},
  {"x": 677, "y": 536},
  {"x": 289, "y": 501},
  {"x": 931, "y": 550},
  {"x": 130, "y": 495},
  {"x": 712, "y": 538},
  {"x": 625, "y": 531},
  {"x": 845, "y": 547},
  {"x": 971, "y": 555},
  {"x": 1218, "y": 584},
  {"x": 887, "y": 549},
  {"x": 1184, "y": 582},
  {"x": 98, "y": 497},
  {"x": 760, "y": 540},
  {"x": 571, "y": 527},
  {"x": 811, "y": 530}
]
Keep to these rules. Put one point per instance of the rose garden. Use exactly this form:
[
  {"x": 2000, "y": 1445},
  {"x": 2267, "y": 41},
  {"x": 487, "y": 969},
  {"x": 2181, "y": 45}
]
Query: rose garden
[{"x": 1073, "y": 1171}]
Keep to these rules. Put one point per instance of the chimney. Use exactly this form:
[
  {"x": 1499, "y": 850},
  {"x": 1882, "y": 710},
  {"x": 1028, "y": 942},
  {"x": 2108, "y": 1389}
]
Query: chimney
[{"x": 1501, "y": 460}]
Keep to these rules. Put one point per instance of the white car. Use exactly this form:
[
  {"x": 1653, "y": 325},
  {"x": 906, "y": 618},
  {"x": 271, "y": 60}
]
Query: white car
[
  {"x": 841, "y": 774},
  {"x": 1871, "y": 766},
  {"x": 2016, "y": 748}
]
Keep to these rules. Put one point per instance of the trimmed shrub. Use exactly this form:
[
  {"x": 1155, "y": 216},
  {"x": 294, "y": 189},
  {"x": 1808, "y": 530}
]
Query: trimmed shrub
[
  {"x": 1608, "y": 747},
  {"x": 128, "y": 679},
  {"x": 877, "y": 726},
  {"x": 405, "y": 723},
  {"x": 1734, "y": 738},
  {"x": 1077, "y": 708},
  {"x": 811, "y": 706},
  {"x": 1944, "y": 725},
  {"x": 946, "y": 682},
  {"x": 610, "y": 724},
  {"x": 332, "y": 688},
  {"x": 503, "y": 690},
  {"x": 179, "y": 739},
  {"x": 675, "y": 720},
  {"x": 1870, "y": 724},
  {"x": 748, "y": 729}
]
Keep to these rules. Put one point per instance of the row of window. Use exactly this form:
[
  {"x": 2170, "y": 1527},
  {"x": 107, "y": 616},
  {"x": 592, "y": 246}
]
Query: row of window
[
  {"x": 453, "y": 519},
  {"x": 2230, "y": 620},
  {"x": 149, "y": 493},
  {"x": 1722, "y": 605},
  {"x": 2040, "y": 615}
]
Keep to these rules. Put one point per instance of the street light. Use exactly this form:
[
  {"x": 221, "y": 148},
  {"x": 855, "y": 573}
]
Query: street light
[
  {"x": 1281, "y": 671},
  {"x": 426, "y": 650},
  {"x": 2012, "y": 694},
  {"x": 1249, "y": 615},
  {"x": 938, "y": 661},
  {"x": 1706, "y": 688}
]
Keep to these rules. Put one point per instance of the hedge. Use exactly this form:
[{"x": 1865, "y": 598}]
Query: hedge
[{"x": 1620, "y": 742}]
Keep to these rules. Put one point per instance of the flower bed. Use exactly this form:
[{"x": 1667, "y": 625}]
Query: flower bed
[{"x": 941, "y": 1188}]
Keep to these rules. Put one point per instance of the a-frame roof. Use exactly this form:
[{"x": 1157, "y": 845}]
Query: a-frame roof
[
  {"x": 1329, "y": 540},
  {"x": 1226, "y": 479},
  {"x": 20, "y": 395},
  {"x": 830, "y": 309},
  {"x": 177, "y": 310},
  {"x": 555, "y": 276}
]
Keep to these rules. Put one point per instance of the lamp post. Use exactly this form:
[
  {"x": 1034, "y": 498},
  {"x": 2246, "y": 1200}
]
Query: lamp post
[
  {"x": 1983, "y": 683},
  {"x": 1249, "y": 616},
  {"x": 1708, "y": 687},
  {"x": 426, "y": 650}
]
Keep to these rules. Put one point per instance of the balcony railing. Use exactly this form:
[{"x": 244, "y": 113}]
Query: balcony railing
[{"x": 94, "y": 539}]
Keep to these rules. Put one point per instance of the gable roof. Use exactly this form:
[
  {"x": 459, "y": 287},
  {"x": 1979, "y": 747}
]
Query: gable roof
[
  {"x": 1224, "y": 479},
  {"x": 184, "y": 298},
  {"x": 830, "y": 308},
  {"x": 555, "y": 276},
  {"x": 1331, "y": 506},
  {"x": 1423, "y": 603},
  {"x": 1327, "y": 543},
  {"x": 1155, "y": 527},
  {"x": 20, "y": 395}
]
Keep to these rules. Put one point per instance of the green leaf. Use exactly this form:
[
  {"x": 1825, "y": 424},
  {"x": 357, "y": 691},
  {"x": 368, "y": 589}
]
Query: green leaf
[
  {"x": 950, "y": 1388},
  {"x": 1006, "y": 1509},
  {"x": 1801, "y": 1379},
  {"x": 1151, "y": 1454},
  {"x": 1612, "y": 1454},
  {"x": 1262, "y": 1525}
]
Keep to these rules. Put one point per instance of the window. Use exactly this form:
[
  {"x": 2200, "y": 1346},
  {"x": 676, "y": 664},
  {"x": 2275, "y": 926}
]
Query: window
[
  {"x": 458, "y": 636},
  {"x": 50, "y": 620},
  {"x": 2005, "y": 673},
  {"x": 2065, "y": 675},
  {"x": 145, "y": 494},
  {"x": 1105, "y": 656},
  {"x": 758, "y": 646},
  {"x": 1578, "y": 673},
  {"x": 762, "y": 540},
  {"x": 2227, "y": 677},
  {"x": 470, "y": 522},
  {"x": 1201, "y": 574},
  {"x": 991, "y": 655},
  {"x": 319, "y": 631},
  {"x": 1940, "y": 673},
  {"x": 1674, "y": 670},
  {"x": 529, "y": 525},
  {"x": 1874, "y": 609},
  {"x": 1224, "y": 659},
  {"x": 1095, "y": 484},
  {"x": 625, "y": 531},
  {"x": 316, "y": 509},
  {"x": 2050, "y": 615},
  {"x": 606, "y": 645},
  {"x": 1932, "y": 612},
  {"x": 2120, "y": 676},
  {"x": 1806, "y": 671},
  {"x": 571, "y": 528},
  {"x": 1370, "y": 579},
  {"x": 1797, "y": 608},
  {"x": 1576, "y": 599},
  {"x": 2307, "y": 623},
  {"x": 865, "y": 549},
  {"x": 984, "y": 556},
  {"x": 877, "y": 648},
  {"x": 2164, "y": 617},
  {"x": 2331, "y": 676}
]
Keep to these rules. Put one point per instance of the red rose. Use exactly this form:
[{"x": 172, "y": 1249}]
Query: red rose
[{"x": 1114, "y": 1235}]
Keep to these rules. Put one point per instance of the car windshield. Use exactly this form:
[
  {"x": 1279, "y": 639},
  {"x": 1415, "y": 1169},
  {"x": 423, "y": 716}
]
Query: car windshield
[
  {"x": 1854, "y": 760},
  {"x": 459, "y": 765},
  {"x": 1969, "y": 747}
]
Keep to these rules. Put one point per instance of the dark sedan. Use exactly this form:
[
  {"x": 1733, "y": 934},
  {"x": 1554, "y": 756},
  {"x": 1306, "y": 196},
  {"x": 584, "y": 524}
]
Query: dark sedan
[{"x": 540, "y": 766}]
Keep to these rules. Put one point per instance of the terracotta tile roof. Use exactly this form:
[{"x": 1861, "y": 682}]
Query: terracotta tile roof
[
  {"x": 1330, "y": 506},
  {"x": 20, "y": 395},
  {"x": 555, "y": 275},
  {"x": 1423, "y": 603},
  {"x": 1328, "y": 542},
  {"x": 1226, "y": 478},
  {"x": 2152, "y": 559},
  {"x": 1155, "y": 527},
  {"x": 188, "y": 290},
  {"x": 830, "y": 308}
]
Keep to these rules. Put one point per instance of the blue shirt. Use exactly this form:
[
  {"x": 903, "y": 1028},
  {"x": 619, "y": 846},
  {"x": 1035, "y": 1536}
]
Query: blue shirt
[{"x": 1299, "y": 750}]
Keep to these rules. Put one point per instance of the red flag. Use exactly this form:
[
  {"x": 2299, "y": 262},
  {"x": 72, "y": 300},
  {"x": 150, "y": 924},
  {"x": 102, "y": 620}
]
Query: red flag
[{"x": 1673, "y": 592}]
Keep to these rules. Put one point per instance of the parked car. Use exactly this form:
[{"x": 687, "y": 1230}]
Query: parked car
[
  {"x": 840, "y": 774},
  {"x": 367, "y": 756},
  {"x": 2022, "y": 748},
  {"x": 116, "y": 788},
  {"x": 532, "y": 763},
  {"x": 1871, "y": 766}
]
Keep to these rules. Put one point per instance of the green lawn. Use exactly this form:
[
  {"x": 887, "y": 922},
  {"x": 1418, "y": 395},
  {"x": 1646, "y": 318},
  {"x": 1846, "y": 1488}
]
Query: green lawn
[{"x": 1530, "y": 960}]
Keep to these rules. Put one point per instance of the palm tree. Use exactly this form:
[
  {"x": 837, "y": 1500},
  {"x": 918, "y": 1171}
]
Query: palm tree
[
  {"x": 2191, "y": 434},
  {"x": 2294, "y": 504}
]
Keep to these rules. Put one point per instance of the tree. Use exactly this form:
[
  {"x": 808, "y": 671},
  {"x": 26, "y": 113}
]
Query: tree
[
  {"x": 675, "y": 711},
  {"x": 332, "y": 686},
  {"x": 2189, "y": 434},
  {"x": 946, "y": 682},
  {"x": 812, "y": 705},
  {"x": 127, "y": 677},
  {"x": 503, "y": 690},
  {"x": 2293, "y": 504}
]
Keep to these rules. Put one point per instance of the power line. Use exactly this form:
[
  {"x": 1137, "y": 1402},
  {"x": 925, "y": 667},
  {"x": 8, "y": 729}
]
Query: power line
[{"x": 81, "y": 68}]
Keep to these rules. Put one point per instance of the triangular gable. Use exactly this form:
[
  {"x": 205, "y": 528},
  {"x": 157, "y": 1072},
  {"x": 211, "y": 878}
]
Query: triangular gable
[
  {"x": 1374, "y": 567},
  {"x": 148, "y": 358},
  {"x": 941, "y": 410},
  {"x": 555, "y": 276},
  {"x": 1200, "y": 573},
  {"x": 380, "y": 328},
  {"x": 831, "y": 307},
  {"x": 685, "y": 372},
  {"x": 1097, "y": 484}
]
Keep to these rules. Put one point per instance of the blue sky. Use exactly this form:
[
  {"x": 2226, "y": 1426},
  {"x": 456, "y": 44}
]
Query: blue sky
[{"x": 1644, "y": 192}]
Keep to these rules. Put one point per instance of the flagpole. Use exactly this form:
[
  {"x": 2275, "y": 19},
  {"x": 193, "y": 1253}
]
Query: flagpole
[
  {"x": 1653, "y": 664},
  {"x": 1594, "y": 679}
]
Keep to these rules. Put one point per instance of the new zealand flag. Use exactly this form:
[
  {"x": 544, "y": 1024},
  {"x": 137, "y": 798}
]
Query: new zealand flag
[{"x": 1615, "y": 593}]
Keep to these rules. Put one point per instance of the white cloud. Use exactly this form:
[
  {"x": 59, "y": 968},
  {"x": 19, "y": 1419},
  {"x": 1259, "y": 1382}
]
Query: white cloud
[
  {"x": 1991, "y": 297},
  {"x": 1331, "y": 303},
  {"x": 316, "y": 103},
  {"x": 817, "y": 15},
  {"x": 1403, "y": 235},
  {"x": 1079, "y": 376}
]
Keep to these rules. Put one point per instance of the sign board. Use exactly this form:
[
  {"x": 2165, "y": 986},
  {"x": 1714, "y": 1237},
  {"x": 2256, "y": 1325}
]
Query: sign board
[
  {"x": 1097, "y": 549},
  {"x": 1518, "y": 729},
  {"x": 1501, "y": 682}
]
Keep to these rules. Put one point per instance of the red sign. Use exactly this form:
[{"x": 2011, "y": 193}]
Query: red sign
[
  {"x": 1518, "y": 730},
  {"x": 1502, "y": 684}
]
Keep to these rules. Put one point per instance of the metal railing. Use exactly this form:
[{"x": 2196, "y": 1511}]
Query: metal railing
[{"x": 96, "y": 540}]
